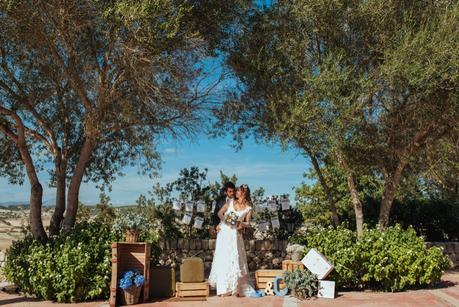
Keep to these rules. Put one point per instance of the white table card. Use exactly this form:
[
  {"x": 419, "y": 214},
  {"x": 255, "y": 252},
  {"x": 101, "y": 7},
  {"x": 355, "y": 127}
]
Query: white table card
[
  {"x": 189, "y": 206},
  {"x": 176, "y": 205},
  {"x": 317, "y": 263},
  {"x": 198, "y": 221},
  {"x": 214, "y": 204},
  {"x": 272, "y": 206},
  {"x": 201, "y": 206},
  {"x": 275, "y": 222},
  {"x": 285, "y": 203},
  {"x": 186, "y": 218},
  {"x": 262, "y": 226}
]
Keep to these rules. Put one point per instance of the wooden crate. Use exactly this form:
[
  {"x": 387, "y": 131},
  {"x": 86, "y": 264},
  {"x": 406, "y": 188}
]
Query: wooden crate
[
  {"x": 264, "y": 276},
  {"x": 290, "y": 265},
  {"x": 129, "y": 256},
  {"x": 162, "y": 281},
  {"x": 192, "y": 289}
]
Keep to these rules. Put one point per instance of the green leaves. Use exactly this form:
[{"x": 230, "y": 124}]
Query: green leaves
[
  {"x": 74, "y": 266},
  {"x": 393, "y": 260},
  {"x": 302, "y": 284}
]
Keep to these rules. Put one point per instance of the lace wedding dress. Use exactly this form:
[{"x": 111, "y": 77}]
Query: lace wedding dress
[{"x": 229, "y": 272}]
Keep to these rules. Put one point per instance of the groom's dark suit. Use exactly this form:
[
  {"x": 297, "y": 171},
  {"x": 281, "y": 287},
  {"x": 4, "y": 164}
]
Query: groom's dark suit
[{"x": 218, "y": 206}]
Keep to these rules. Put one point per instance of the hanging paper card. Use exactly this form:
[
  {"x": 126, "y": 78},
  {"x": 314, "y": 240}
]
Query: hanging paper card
[
  {"x": 272, "y": 206},
  {"x": 201, "y": 206},
  {"x": 214, "y": 204},
  {"x": 275, "y": 222},
  {"x": 285, "y": 203},
  {"x": 262, "y": 226},
  {"x": 198, "y": 221},
  {"x": 176, "y": 205},
  {"x": 186, "y": 218},
  {"x": 189, "y": 206}
]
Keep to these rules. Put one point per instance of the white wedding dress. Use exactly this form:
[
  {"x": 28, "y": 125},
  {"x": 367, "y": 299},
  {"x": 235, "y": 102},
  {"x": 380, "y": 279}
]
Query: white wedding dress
[{"x": 229, "y": 272}]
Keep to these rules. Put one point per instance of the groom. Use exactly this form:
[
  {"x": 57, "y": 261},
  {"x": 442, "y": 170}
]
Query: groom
[{"x": 229, "y": 189}]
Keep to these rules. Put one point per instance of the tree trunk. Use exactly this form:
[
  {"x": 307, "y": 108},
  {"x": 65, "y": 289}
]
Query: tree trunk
[
  {"x": 36, "y": 193},
  {"x": 358, "y": 208},
  {"x": 58, "y": 215},
  {"x": 75, "y": 182},
  {"x": 392, "y": 180},
  {"x": 325, "y": 187}
]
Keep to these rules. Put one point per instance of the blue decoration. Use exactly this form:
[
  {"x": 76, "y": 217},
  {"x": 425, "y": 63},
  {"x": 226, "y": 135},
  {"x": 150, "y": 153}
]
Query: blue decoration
[
  {"x": 131, "y": 278},
  {"x": 276, "y": 286},
  {"x": 257, "y": 293}
]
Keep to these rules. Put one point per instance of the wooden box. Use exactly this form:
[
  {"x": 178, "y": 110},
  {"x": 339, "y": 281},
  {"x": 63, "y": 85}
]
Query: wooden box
[
  {"x": 192, "y": 289},
  {"x": 162, "y": 281},
  {"x": 326, "y": 289},
  {"x": 317, "y": 263},
  {"x": 264, "y": 276},
  {"x": 290, "y": 265},
  {"x": 125, "y": 257}
]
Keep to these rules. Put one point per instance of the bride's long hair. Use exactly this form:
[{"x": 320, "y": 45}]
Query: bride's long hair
[{"x": 246, "y": 189}]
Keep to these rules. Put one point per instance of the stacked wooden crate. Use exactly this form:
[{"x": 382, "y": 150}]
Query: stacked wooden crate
[
  {"x": 290, "y": 265},
  {"x": 126, "y": 257}
]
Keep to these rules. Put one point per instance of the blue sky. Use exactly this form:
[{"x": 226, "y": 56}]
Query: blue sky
[{"x": 255, "y": 164}]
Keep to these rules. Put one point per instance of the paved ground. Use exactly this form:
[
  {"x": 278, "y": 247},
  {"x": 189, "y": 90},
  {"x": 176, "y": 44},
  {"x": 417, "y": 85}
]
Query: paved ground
[{"x": 445, "y": 295}]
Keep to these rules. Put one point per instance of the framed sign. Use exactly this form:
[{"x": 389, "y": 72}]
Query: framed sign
[
  {"x": 198, "y": 221},
  {"x": 201, "y": 206},
  {"x": 275, "y": 222},
  {"x": 187, "y": 218},
  {"x": 176, "y": 205},
  {"x": 285, "y": 204},
  {"x": 262, "y": 226},
  {"x": 189, "y": 206},
  {"x": 315, "y": 262}
]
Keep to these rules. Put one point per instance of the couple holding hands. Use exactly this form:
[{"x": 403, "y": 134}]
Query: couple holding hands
[{"x": 229, "y": 273}]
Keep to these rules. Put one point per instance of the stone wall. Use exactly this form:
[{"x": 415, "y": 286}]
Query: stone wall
[{"x": 260, "y": 254}]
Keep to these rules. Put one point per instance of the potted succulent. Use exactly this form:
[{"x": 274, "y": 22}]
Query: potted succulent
[
  {"x": 131, "y": 285},
  {"x": 132, "y": 224},
  {"x": 302, "y": 284},
  {"x": 296, "y": 251}
]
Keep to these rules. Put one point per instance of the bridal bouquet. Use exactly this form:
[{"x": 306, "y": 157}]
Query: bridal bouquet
[{"x": 231, "y": 218}]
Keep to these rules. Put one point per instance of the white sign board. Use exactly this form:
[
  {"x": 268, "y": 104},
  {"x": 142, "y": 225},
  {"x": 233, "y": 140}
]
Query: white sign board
[
  {"x": 262, "y": 226},
  {"x": 189, "y": 206},
  {"x": 275, "y": 222},
  {"x": 214, "y": 204},
  {"x": 201, "y": 206},
  {"x": 198, "y": 222},
  {"x": 317, "y": 263},
  {"x": 272, "y": 206},
  {"x": 176, "y": 205},
  {"x": 186, "y": 218},
  {"x": 326, "y": 289},
  {"x": 285, "y": 203}
]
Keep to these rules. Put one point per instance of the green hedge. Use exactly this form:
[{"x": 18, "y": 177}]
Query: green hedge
[
  {"x": 74, "y": 266},
  {"x": 393, "y": 260}
]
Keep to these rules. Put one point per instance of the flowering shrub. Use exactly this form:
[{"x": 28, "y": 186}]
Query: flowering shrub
[
  {"x": 393, "y": 260},
  {"x": 131, "y": 278},
  {"x": 130, "y": 220},
  {"x": 73, "y": 266}
]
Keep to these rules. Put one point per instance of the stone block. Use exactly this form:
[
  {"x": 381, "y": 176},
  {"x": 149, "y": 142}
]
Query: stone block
[
  {"x": 192, "y": 244},
  {"x": 173, "y": 243},
  {"x": 252, "y": 245},
  {"x": 246, "y": 245},
  {"x": 275, "y": 245},
  {"x": 162, "y": 244},
  {"x": 205, "y": 244},
  {"x": 258, "y": 245},
  {"x": 212, "y": 244},
  {"x": 267, "y": 245},
  {"x": 198, "y": 244}
]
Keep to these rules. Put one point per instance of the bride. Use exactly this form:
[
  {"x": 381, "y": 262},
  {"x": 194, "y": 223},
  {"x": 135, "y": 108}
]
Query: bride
[{"x": 229, "y": 272}]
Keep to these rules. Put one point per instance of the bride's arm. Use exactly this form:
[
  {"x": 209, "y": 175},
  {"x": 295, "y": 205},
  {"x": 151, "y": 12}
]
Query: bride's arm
[
  {"x": 222, "y": 211},
  {"x": 245, "y": 223}
]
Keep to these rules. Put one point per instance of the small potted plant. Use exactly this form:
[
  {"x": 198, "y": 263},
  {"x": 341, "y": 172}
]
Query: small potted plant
[
  {"x": 132, "y": 224},
  {"x": 131, "y": 285},
  {"x": 302, "y": 284},
  {"x": 296, "y": 251}
]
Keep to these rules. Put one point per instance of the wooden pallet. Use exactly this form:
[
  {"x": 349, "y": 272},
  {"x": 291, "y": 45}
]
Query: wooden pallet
[
  {"x": 192, "y": 289},
  {"x": 129, "y": 256},
  {"x": 290, "y": 265},
  {"x": 264, "y": 276}
]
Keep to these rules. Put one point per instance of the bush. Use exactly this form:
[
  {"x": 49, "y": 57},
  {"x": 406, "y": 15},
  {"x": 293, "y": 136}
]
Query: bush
[
  {"x": 73, "y": 266},
  {"x": 393, "y": 260}
]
